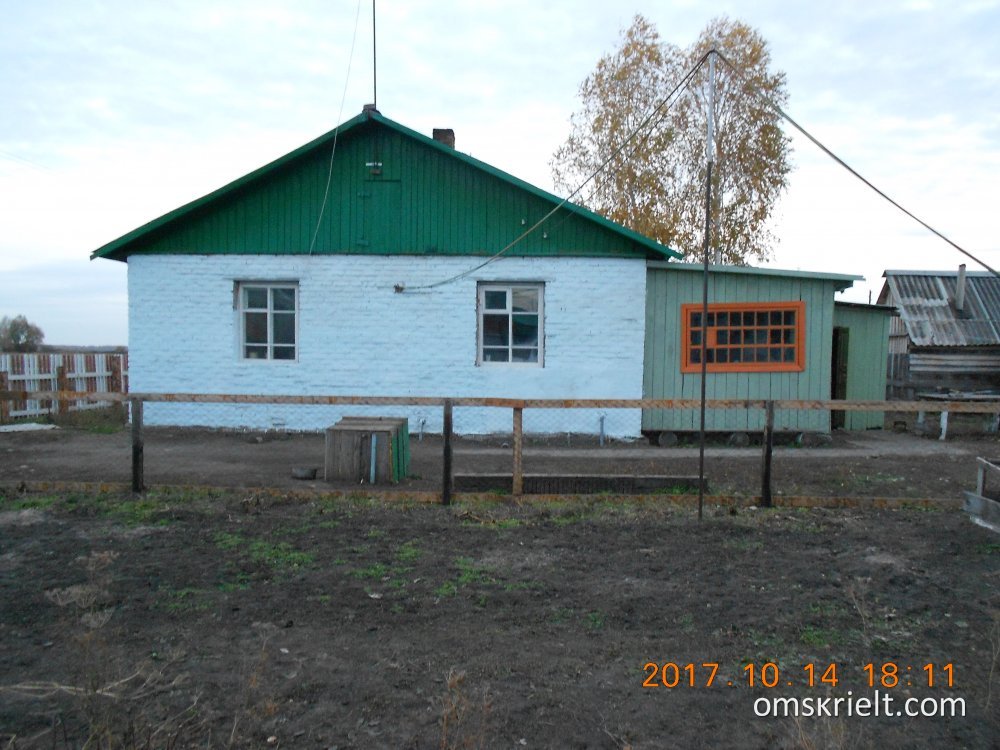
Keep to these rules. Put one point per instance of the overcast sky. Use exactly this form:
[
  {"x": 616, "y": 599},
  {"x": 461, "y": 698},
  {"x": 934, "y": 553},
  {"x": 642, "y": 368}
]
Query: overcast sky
[{"x": 116, "y": 112}]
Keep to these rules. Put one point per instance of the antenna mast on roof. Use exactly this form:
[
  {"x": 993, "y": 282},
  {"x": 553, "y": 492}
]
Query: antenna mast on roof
[{"x": 374, "y": 61}]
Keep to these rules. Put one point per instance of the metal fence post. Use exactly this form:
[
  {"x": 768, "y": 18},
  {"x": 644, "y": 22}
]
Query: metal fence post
[
  {"x": 137, "y": 446},
  {"x": 446, "y": 488},
  {"x": 517, "y": 478},
  {"x": 765, "y": 480}
]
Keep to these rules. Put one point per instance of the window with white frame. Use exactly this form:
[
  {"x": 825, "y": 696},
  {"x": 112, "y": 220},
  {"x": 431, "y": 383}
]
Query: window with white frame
[
  {"x": 511, "y": 320},
  {"x": 268, "y": 323}
]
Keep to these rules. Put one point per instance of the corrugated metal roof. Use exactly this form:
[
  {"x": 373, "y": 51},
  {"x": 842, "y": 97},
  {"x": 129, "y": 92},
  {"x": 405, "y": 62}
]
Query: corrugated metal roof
[{"x": 926, "y": 304}]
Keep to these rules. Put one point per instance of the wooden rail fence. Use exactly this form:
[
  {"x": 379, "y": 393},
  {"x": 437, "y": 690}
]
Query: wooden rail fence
[
  {"x": 517, "y": 406},
  {"x": 62, "y": 372}
]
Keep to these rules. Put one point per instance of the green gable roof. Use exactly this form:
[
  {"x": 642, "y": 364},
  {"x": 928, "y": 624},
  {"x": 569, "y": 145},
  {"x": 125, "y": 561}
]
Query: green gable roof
[{"x": 391, "y": 191}]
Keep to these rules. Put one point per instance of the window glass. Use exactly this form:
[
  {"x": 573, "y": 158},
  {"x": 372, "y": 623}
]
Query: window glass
[
  {"x": 525, "y": 328},
  {"x": 495, "y": 330},
  {"x": 749, "y": 337},
  {"x": 284, "y": 329},
  {"x": 256, "y": 328},
  {"x": 510, "y": 323},
  {"x": 491, "y": 354},
  {"x": 255, "y": 298},
  {"x": 525, "y": 300},
  {"x": 496, "y": 300},
  {"x": 284, "y": 298},
  {"x": 267, "y": 321}
]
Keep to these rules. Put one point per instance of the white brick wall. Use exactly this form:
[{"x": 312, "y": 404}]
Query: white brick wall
[{"x": 357, "y": 336}]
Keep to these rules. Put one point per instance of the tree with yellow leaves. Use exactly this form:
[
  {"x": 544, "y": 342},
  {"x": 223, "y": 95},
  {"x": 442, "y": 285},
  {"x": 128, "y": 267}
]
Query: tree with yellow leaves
[{"x": 655, "y": 180}]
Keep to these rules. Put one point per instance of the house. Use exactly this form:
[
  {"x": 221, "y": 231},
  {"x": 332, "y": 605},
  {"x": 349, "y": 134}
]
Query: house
[
  {"x": 771, "y": 334},
  {"x": 947, "y": 335},
  {"x": 377, "y": 261}
]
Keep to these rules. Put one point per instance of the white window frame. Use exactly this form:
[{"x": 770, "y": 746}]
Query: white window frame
[
  {"x": 242, "y": 309},
  {"x": 509, "y": 287}
]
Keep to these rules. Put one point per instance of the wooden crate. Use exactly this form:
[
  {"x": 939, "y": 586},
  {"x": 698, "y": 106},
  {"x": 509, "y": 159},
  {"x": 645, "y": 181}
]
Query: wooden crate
[
  {"x": 355, "y": 443},
  {"x": 401, "y": 439}
]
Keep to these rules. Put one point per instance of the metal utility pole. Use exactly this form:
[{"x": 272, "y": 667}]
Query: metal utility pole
[{"x": 710, "y": 151}]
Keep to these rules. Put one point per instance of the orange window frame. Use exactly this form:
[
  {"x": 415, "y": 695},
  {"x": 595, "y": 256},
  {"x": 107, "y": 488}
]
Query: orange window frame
[{"x": 745, "y": 337}]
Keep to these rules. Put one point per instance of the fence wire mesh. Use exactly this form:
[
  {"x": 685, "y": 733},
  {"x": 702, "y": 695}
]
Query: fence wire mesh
[{"x": 497, "y": 446}]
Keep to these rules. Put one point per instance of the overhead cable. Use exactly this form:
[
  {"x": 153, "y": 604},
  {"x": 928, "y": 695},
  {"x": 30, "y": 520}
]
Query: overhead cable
[
  {"x": 651, "y": 119},
  {"x": 777, "y": 108},
  {"x": 336, "y": 132}
]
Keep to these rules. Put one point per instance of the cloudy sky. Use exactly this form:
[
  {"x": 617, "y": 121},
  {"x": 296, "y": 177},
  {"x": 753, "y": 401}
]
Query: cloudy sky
[{"x": 116, "y": 112}]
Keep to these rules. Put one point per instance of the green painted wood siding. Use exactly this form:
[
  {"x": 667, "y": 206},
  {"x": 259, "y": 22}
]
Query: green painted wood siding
[
  {"x": 667, "y": 290},
  {"x": 867, "y": 357},
  {"x": 425, "y": 201}
]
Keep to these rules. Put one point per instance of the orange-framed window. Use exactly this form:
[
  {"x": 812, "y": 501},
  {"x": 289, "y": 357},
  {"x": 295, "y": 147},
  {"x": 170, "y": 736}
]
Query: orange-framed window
[{"x": 744, "y": 337}]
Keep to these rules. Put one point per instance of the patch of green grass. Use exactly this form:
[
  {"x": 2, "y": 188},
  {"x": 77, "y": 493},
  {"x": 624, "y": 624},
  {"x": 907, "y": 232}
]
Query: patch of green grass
[
  {"x": 469, "y": 573},
  {"x": 827, "y": 609},
  {"x": 375, "y": 570},
  {"x": 275, "y": 555},
  {"x": 988, "y": 548},
  {"x": 562, "y": 615},
  {"x": 521, "y": 585},
  {"x": 744, "y": 545},
  {"x": 409, "y": 552},
  {"x": 183, "y": 600},
  {"x": 374, "y": 533},
  {"x": 819, "y": 637},
  {"x": 594, "y": 620},
  {"x": 686, "y": 622},
  {"x": 448, "y": 588},
  {"x": 29, "y": 502},
  {"x": 227, "y": 541}
]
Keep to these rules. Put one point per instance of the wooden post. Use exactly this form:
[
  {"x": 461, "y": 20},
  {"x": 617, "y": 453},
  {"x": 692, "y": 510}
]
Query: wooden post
[
  {"x": 765, "y": 482},
  {"x": 4, "y": 403},
  {"x": 62, "y": 384},
  {"x": 446, "y": 488},
  {"x": 137, "y": 446},
  {"x": 115, "y": 381},
  {"x": 517, "y": 479}
]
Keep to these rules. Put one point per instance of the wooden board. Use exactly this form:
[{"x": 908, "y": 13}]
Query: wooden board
[{"x": 983, "y": 510}]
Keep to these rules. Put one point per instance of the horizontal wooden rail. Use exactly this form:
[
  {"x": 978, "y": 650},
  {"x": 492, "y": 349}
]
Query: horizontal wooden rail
[{"x": 972, "y": 407}]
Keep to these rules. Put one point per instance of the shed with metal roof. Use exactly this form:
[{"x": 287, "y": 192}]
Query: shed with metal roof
[{"x": 947, "y": 335}]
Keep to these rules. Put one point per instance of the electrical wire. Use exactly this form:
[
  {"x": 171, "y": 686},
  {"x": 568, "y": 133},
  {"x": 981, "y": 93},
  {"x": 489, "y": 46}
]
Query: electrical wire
[
  {"x": 777, "y": 108},
  {"x": 336, "y": 131},
  {"x": 658, "y": 112}
]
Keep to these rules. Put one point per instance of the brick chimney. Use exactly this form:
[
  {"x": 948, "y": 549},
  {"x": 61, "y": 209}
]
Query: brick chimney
[{"x": 445, "y": 136}]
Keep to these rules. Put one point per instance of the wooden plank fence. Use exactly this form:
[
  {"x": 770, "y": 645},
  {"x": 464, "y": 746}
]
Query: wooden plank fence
[{"x": 80, "y": 372}]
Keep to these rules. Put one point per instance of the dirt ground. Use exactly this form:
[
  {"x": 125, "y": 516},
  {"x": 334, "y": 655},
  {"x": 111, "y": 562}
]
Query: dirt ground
[
  {"x": 878, "y": 463},
  {"x": 235, "y": 618}
]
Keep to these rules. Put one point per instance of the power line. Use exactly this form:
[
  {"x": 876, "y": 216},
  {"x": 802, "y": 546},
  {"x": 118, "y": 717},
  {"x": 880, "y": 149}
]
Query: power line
[
  {"x": 777, "y": 108},
  {"x": 653, "y": 118},
  {"x": 336, "y": 132}
]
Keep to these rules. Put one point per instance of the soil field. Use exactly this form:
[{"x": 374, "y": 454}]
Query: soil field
[
  {"x": 238, "y": 618},
  {"x": 241, "y": 620}
]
